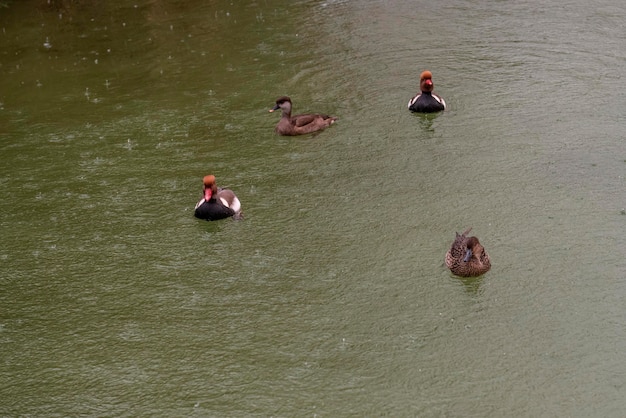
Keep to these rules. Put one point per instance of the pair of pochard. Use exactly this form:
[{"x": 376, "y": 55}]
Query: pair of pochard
[
  {"x": 426, "y": 101},
  {"x": 220, "y": 203}
]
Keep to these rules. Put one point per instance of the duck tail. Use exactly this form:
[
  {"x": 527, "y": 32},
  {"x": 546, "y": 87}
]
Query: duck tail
[{"x": 468, "y": 231}]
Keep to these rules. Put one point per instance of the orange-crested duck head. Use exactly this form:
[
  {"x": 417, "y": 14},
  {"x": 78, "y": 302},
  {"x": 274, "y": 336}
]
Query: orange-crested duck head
[
  {"x": 210, "y": 187},
  {"x": 426, "y": 81}
]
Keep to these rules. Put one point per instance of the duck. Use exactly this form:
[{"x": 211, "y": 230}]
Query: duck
[
  {"x": 299, "y": 124},
  {"x": 426, "y": 101},
  {"x": 467, "y": 257},
  {"x": 217, "y": 203}
]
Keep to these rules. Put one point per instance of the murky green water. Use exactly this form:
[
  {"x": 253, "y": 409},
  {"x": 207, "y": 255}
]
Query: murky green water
[{"x": 331, "y": 297}]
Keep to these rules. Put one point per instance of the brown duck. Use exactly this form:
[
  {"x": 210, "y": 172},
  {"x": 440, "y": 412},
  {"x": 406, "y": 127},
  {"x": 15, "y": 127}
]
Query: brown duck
[
  {"x": 299, "y": 124},
  {"x": 467, "y": 257}
]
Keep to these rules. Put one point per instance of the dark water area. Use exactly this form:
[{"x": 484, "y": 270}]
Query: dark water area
[{"x": 331, "y": 297}]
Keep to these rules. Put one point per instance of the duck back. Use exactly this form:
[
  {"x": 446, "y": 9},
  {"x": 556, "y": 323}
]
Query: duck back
[
  {"x": 223, "y": 204},
  {"x": 303, "y": 124},
  {"x": 212, "y": 210},
  {"x": 426, "y": 103}
]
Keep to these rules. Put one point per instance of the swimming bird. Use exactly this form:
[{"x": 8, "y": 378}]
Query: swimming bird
[
  {"x": 299, "y": 124},
  {"x": 467, "y": 257},
  {"x": 217, "y": 203},
  {"x": 427, "y": 101}
]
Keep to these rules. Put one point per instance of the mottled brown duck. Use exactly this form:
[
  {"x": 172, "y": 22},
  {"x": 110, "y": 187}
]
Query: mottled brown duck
[
  {"x": 467, "y": 257},
  {"x": 299, "y": 124}
]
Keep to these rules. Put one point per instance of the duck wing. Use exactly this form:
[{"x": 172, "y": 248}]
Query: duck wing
[
  {"x": 228, "y": 198},
  {"x": 457, "y": 252},
  {"x": 303, "y": 120}
]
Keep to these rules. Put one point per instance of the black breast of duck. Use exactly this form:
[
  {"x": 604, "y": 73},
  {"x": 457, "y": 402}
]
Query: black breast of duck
[
  {"x": 217, "y": 203},
  {"x": 467, "y": 257},
  {"x": 299, "y": 124},
  {"x": 426, "y": 101}
]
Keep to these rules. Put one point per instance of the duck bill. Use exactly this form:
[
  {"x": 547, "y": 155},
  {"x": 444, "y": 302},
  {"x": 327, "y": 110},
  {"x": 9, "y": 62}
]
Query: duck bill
[
  {"x": 207, "y": 194},
  {"x": 468, "y": 255},
  {"x": 274, "y": 108}
]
